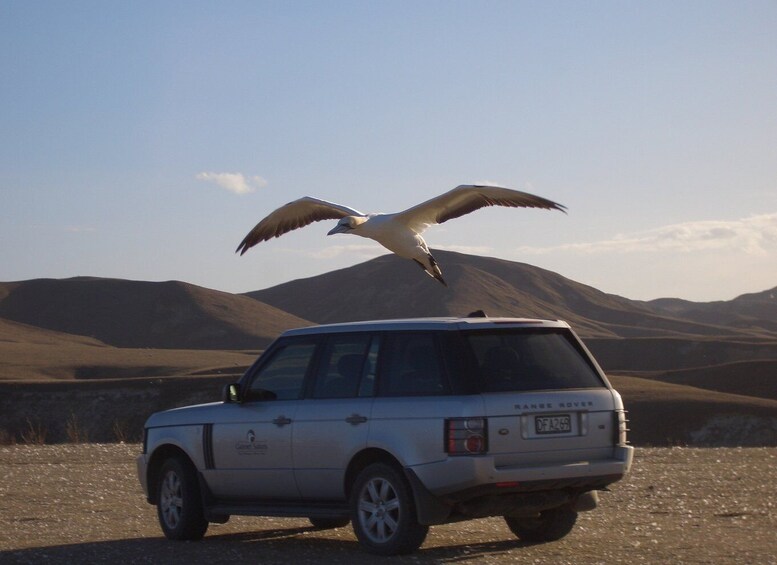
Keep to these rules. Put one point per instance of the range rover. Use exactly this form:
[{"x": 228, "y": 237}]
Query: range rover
[{"x": 395, "y": 426}]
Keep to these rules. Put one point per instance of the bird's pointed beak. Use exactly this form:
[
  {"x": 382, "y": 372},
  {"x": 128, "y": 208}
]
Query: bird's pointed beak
[{"x": 339, "y": 228}]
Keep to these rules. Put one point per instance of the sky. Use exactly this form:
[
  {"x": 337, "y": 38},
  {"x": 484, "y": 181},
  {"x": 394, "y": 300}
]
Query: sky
[{"x": 143, "y": 140}]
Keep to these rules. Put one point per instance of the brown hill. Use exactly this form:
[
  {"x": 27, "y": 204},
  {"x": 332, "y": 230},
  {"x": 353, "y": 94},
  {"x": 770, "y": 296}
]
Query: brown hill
[
  {"x": 500, "y": 287},
  {"x": 624, "y": 335},
  {"x": 137, "y": 314},
  {"x": 96, "y": 329}
]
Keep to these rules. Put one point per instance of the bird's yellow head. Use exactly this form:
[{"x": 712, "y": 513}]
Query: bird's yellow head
[{"x": 347, "y": 224}]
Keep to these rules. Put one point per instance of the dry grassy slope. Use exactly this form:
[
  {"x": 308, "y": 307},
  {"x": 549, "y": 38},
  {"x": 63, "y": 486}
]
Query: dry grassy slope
[
  {"x": 145, "y": 314},
  {"x": 672, "y": 353},
  {"x": 667, "y": 414},
  {"x": 753, "y": 378},
  {"x": 16, "y": 332},
  {"x": 28, "y": 353}
]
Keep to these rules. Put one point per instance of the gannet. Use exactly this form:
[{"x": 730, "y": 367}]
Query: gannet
[{"x": 399, "y": 232}]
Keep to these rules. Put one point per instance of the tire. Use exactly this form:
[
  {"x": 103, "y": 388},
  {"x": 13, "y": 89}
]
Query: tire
[
  {"x": 383, "y": 512},
  {"x": 329, "y": 523},
  {"x": 550, "y": 525},
  {"x": 179, "y": 504}
]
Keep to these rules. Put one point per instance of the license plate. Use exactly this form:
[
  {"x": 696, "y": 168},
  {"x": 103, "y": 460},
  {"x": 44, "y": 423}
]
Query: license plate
[{"x": 553, "y": 424}]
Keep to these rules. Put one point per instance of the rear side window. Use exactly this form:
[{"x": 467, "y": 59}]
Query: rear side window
[
  {"x": 347, "y": 367},
  {"x": 521, "y": 360},
  {"x": 413, "y": 366}
]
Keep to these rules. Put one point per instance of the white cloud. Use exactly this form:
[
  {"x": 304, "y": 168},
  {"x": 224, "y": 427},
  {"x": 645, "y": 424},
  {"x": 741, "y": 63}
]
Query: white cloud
[
  {"x": 754, "y": 235},
  {"x": 364, "y": 251},
  {"x": 233, "y": 182},
  {"x": 468, "y": 249}
]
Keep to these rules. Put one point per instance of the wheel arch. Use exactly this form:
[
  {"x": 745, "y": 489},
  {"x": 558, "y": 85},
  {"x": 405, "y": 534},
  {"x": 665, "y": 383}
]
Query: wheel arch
[
  {"x": 364, "y": 459},
  {"x": 161, "y": 454},
  {"x": 429, "y": 509}
]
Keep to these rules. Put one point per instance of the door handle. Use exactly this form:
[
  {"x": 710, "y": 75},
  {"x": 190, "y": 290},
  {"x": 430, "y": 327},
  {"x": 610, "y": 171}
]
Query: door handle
[
  {"x": 281, "y": 421},
  {"x": 356, "y": 419}
]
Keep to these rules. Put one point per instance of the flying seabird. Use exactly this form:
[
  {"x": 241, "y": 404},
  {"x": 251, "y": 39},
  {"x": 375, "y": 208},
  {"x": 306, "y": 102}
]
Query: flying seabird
[{"x": 400, "y": 232}]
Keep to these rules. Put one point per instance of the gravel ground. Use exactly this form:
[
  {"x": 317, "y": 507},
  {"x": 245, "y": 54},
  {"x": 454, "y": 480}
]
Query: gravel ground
[{"x": 83, "y": 504}]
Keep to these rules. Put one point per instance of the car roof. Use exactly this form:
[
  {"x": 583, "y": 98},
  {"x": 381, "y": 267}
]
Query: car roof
[{"x": 426, "y": 324}]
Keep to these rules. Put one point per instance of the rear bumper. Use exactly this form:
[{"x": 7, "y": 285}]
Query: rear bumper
[
  {"x": 456, "y": 474},
  {"x": 473, "y": 487}
]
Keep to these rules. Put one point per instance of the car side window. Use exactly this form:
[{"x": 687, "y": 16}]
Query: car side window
[
  {"x": 345, "y": 362},
  {"x": 283, "y": 376},
  {"x": 413, "y": 367}
]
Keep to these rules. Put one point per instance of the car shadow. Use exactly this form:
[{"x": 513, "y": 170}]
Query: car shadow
[{"x": 282, "y": 545}]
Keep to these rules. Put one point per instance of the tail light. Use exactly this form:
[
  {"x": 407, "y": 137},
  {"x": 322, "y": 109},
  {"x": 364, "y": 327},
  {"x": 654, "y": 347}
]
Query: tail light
[
  {"x": 620, "y": 427},
  {"x": 466, "y": 436}
]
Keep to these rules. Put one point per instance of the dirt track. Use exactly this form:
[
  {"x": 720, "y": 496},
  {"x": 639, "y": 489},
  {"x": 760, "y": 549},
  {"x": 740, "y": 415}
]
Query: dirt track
[{"x": 82, "y": 504}]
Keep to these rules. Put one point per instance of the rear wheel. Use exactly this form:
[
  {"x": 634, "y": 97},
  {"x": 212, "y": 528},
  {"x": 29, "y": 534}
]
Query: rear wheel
[
  {"x": 383, "y": 512},
  {"x": 179, "y": 505},
  {"x": 549, "y": 525}
]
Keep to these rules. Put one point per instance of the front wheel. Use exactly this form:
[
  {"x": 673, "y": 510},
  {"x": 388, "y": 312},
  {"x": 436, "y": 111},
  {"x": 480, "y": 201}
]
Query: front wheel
[
  {"x": 179, "y": 505},
  {"x": 549, "y": 525},
  {"x": 383, "y": 512}
]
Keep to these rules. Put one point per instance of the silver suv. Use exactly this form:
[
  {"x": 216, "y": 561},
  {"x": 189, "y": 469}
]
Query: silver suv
[{"x": 394, "y": 426}]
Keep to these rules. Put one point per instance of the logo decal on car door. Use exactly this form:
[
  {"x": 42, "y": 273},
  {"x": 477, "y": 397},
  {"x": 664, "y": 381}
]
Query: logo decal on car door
[{"x": 251, "y": 446}]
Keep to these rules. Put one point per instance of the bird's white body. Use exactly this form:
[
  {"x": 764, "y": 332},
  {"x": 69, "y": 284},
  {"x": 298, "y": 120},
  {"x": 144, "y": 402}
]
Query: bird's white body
[
  {"x": 400, "y": 239},
  {"x": 383, "y": 228},
  {"x": 400, "y": 232}
]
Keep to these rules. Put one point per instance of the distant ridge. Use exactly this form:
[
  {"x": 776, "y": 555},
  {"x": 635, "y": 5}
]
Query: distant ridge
[
  {"x": 136, "y": 314},
  {"x": 748, "y": 311}
]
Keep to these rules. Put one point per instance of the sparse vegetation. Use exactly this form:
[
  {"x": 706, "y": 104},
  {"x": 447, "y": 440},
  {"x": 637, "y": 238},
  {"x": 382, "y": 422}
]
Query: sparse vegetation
[
  {"x": 76, "y": 433},
  {"x": 6, "y": 437},
  {"x": 34, "y": 433},
  {"x": 123, "y": 433}
]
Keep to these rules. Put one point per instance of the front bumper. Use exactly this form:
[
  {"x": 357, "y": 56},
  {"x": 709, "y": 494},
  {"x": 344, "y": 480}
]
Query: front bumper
[{"x": 142, "y": 468}]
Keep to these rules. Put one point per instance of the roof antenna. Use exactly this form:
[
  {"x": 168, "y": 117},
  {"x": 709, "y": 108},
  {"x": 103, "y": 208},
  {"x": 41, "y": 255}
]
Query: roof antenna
[{"x": 477, "y": 314}]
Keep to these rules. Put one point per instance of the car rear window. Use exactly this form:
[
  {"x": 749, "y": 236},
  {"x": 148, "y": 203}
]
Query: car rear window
[{"x": 526, "y": 360}]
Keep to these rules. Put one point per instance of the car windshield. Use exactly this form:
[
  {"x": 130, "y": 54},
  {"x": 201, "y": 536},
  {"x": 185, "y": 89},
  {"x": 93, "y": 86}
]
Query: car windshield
[{"x": 527, "y": 360}]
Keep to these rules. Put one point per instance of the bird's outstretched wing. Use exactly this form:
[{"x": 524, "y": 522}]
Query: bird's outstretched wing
[
  {"x": 296, "y": 214},
  {"x": 468, "y": 198}
]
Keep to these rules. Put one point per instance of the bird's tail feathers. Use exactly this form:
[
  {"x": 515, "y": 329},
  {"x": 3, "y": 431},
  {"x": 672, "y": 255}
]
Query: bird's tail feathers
[{"x": 433, "y": 270}]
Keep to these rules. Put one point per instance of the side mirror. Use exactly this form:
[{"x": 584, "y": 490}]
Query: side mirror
[{"x": 231, "y": 393}]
